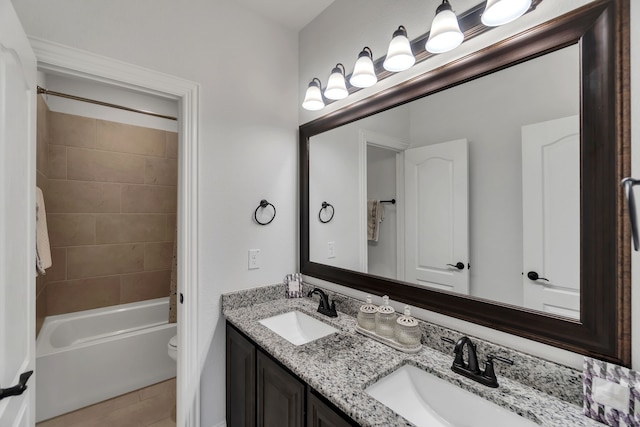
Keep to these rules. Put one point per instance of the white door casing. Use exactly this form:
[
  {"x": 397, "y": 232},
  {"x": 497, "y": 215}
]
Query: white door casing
[
  {"x": 376, "y": 139},
  {"x": 437, "y": 216},
  {"x": 551, "y": 215},
  {"x": 17, "y": 217},
  {"x": 71, "y": 62}
]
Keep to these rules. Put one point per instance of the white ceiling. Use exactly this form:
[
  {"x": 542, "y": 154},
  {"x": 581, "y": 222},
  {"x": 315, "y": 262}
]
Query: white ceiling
[{"x": 294, "y": 14}]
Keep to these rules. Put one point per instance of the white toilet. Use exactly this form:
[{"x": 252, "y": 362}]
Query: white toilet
[{"x": 172, "y": 347}]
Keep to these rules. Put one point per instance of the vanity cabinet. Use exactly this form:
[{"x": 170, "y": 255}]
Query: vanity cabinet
[
  {"x": 319, "y": 414},
  {"x": 280, "y": 396},
  {"x": 241, "y": 380},
  {"x": 262, "y": 393}
]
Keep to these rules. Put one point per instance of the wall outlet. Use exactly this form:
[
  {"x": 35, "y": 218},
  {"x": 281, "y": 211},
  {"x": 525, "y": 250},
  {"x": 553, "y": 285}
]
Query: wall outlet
[
  {"x": 254, "y": 259},
  {"x": 331, "y": 249}
]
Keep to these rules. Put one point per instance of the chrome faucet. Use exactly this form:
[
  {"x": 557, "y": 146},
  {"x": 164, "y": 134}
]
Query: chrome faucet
[
  {"x": 470, "y": 369},
  {"x": 324, "y": 307}
]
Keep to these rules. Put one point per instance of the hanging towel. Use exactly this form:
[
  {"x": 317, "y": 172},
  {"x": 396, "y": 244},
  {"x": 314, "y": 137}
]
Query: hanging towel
[
  {"x": 375, "y": 215},
  {"x": 43, "y": 250}
]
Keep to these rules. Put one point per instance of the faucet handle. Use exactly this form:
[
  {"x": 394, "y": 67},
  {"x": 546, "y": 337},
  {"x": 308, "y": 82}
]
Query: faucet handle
[
  {"x": 500, "y": 358},
  {"x": 447, "y": 339},
  {"x": 489, "y": 372}
]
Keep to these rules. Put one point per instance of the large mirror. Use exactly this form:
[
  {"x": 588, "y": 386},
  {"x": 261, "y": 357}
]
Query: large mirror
[{"x": 488, "y": 189}]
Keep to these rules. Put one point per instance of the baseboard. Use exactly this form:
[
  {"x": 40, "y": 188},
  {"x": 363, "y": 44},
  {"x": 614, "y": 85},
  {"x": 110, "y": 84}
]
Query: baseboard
[{"x": 223, "y": 423}]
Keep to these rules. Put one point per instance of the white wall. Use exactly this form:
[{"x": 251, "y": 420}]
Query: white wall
[
  {"x": 247, "y": 68},
  {"x": 334, "y": 172},
  {"x": 340, "y": 32}
]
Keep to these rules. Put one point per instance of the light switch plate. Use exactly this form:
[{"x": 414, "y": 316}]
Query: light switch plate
[
  {"x": 254, "y": 259},
  {"x": 331, "y": 249}
]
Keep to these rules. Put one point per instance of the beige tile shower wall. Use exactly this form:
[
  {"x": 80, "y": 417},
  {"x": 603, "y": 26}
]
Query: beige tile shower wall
[
  {"x": 111, "y": 209},
  {"x": 42, "y": 161}
]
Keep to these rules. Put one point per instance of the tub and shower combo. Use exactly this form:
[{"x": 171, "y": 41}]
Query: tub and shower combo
[{"x": 89, "y": 356}]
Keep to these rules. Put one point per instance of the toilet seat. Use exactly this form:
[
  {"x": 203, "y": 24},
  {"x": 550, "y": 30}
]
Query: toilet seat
[{"x": 172, "y": 347}]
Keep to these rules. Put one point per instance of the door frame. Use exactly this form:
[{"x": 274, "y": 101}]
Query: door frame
[
  {"x": 376, "y": 139},
  {"x": 72, "y": 62}
]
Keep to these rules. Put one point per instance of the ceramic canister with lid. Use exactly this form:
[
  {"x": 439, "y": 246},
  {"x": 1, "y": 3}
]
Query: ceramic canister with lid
[
  {"x": 407, "y": 329},
  {"x": 367, "y": 315},
  {"x": 385, "y": 319}
]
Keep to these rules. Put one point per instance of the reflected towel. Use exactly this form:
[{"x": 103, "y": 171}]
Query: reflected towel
[
  {"x": 43, "y": 250},
  {"x": 375, "y": 215}
]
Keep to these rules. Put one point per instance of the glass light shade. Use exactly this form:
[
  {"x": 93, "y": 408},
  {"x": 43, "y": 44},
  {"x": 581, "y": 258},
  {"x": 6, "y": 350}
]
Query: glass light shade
[
  {"x": 364, "y": 74},
  {"x": 500, "y": 12},
  {"x": 313, "y": 98},
  {"x": 399, "y": 55},
  {"x": 336, "y": 86},
  {"x": 445, "y": 33}
]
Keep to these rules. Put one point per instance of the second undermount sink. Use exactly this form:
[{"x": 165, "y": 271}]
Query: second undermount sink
[
  {"x": 427, "y": 400},
  {"x": 298, "y": 328}
]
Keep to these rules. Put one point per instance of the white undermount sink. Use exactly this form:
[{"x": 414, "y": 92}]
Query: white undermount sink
[
  {"x": 427, "y": 400},
  {"x": 298, "y": 328}
]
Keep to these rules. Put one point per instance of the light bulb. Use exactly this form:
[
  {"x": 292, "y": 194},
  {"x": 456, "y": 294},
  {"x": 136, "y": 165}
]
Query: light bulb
[
  {"x": 399, "y": 56},
  {"x": 336, "y": 86},
  {"x": 500, "y": 12},
  {"x": 313, "y": 98},
  {"x": 445, "y": 34},
  {"x": 364, "y": 74}
]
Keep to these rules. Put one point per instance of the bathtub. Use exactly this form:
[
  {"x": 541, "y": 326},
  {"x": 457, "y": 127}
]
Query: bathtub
[{"x": 89, "y": 356}]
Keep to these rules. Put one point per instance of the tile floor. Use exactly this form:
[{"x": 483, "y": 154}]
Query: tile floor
[{"x": 148, "y": 407}]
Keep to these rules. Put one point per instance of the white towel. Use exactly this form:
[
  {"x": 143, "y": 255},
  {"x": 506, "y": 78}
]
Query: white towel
[
  {"x": 375, "y": 215},
  {"x": 43, "y": 250}
]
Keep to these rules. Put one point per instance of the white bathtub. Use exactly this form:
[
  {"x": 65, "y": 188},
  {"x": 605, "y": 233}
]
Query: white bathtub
[{"x": 89, "y": 356}]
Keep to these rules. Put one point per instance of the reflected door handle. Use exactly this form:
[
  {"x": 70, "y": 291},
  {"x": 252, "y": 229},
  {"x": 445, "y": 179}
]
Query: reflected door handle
[
  {"x": 458, "y": 265},
  {"x": 532, "y": 275},
  {"x": 18, "y": 389}
]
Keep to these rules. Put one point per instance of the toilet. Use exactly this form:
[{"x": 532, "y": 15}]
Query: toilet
[{"x": 172, "y": 347}]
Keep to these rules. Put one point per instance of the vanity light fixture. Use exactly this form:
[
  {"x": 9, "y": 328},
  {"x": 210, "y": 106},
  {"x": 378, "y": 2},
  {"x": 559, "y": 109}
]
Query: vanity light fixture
[
  {"x": 364, "y": 74},
  {"x": 399, "y": 56},
  {"x": 500, "y": 12},
  {"x": 313, "y": 98},
  {"x": 445, "y": 33},
  {"x": 336, "y": 86}
]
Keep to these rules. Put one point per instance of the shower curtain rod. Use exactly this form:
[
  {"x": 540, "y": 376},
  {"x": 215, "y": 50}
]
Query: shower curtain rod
[{"x": 105, "y": 104}]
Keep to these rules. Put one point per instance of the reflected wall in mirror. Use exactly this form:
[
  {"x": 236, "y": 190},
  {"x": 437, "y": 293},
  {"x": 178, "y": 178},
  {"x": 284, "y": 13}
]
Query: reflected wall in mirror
[
  {"x": 465, "y": 168},
  {"x": 495, "y": 113}
]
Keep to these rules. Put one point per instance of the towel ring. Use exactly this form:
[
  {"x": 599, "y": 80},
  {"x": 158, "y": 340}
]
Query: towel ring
[
  {"x": 263, "y": 204},
  {"x": 325, "y": 205}
]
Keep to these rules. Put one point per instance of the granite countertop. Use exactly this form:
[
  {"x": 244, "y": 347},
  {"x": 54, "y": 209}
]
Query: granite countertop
[{"x": 342, "y": 365}]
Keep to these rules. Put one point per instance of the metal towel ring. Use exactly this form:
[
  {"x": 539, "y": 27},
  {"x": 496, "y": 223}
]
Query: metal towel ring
[
  {"x": 263, "y": 204},
  {"x": 325, "y": 205}
]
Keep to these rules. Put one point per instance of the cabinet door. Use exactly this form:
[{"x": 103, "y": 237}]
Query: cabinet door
[
  {"x": 319, "y": 414},
  {"x": 280, "y": 395},
  {"x": 241, "y": 380}
]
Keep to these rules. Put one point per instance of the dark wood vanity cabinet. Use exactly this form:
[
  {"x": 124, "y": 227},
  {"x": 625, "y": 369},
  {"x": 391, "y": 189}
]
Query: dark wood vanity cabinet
[
  {"x": 241, "y": 380},
  {"x": 262, "y": 393},
  {"x": 319, "y": 414},
  {"x": 280, "y": 396}
]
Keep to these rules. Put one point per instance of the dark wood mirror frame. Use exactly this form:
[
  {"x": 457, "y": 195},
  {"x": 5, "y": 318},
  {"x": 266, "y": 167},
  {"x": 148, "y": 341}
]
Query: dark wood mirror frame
[{"x": 601, "y": 30}]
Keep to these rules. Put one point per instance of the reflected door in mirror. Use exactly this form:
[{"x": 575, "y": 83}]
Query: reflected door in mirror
[
  {"x": 437, "y": 216},
  {"x": 551, "y": 204}
]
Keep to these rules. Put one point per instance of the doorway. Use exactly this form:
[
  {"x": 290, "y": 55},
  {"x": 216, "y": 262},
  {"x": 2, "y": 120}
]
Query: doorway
[{"x": 60, "y": 60}]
